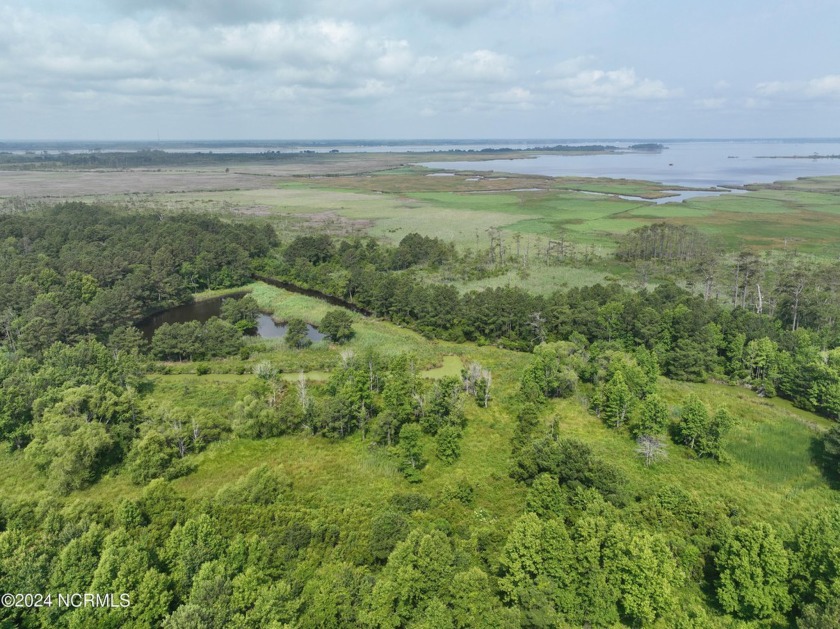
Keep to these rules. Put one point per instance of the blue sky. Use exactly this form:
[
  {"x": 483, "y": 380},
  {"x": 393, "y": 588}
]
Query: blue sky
[{"x": 259, "y": 69}]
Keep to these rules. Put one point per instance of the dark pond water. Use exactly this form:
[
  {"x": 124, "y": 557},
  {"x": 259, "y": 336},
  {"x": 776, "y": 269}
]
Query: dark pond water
[{"x": 201, "y": 311}]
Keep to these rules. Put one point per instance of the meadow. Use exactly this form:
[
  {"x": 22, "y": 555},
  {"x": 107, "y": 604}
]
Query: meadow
[{"x": 768, "y": 471}]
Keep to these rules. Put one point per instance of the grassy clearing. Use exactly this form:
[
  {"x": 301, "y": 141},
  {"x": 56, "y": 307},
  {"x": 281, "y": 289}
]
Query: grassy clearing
[
  {"x": 769, "y": 473},
  {"x": 451, "y": 366}
]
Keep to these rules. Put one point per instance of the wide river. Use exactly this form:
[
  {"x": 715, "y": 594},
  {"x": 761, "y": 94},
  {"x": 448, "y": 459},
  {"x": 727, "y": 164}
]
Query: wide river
[{"x": 691, "y": 163}]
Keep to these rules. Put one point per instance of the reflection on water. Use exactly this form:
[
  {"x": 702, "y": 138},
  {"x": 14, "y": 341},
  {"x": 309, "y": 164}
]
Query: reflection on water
[{"x": 202, "y": 311}]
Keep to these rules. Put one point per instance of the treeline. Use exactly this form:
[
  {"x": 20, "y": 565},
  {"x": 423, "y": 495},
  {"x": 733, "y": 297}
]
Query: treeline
[
  {"x": 144, "y": 158},
  {"x": 79, "y": 269},
  {"x": 693, "y": 338},
  {"x": 795, "y": 289}
]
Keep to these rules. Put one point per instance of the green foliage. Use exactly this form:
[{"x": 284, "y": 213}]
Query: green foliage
[
  {"x": 703, "y": 434},
  {"x": 545, "y": 498},
  {"x": 151, "y": 457},
  {"x": 337, "y": 325},
  {"x": 617, "y": 402},
  {"x": 331, "y": 598},
  {"x": 815, "y": 561},
  {"x": 296, "y": 334},
  {"x": 448, "y": 444},
  {"x": 572, "y": 463},
  {"x": 753, "y": 569},
  {"x": 189, "y": 546},
  {"x": 241, "y": 312},
  {"x": 527, "y": 420},
  {"x": 196, "y": 341},
  {"x": 443, "y": 406},
  {"x": 262, "y": 486},
  {"x": 419, "y": 569},
  {"x": 387, "y": 529},
  {"x": 410, "y": 452},
  {"x": 831, "y": 444},
  {"x": 694, "y": 422},
  {"x": 652, "y": 418},
  {"x": 551, "y": 372}
]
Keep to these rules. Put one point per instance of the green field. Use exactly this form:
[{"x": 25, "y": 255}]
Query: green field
[{"x": 768, "y": 473}]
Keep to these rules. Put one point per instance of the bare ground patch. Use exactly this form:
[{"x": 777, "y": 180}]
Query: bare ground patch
[
  {"x": 68, "y": 184},
  {"x": 336, "y": 225}
]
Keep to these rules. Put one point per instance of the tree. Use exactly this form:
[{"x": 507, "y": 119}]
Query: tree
[
  {"x": 332, "y": 597},
  {"x": 694, "y": 422},
  {"x": 711, "y": 443},
  {"x": 831, "y": 444},
  {"x": 418, "y": 570},
  {"x": 650, "y": 448},
  {"x": 753, "y": 570},
  {"x": 815, "y": 561},
  {"x": 337, "y": 325},
  {"x": 296, "y": 334},
  {"x": 448, "y": 444},
  {"x": 474, "y": 603},
  {"x": 386, "y": 530},
  {"x": 617, "y": 401},
  {"x": 647, "y": 574},
  {"x": 443, "y": 406},
  {"x": 545, "y": 498},
  {"x": 527, "y": 420},
  {"x": 151, "y": 457},
  {"x": 241, "y": 312},
  {"x": 189, "y": 546},
  {"x": 411, "y": 459},
  {"x": 652, "y": 418}
]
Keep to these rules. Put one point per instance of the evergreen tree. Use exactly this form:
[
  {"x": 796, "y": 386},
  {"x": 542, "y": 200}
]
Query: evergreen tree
[{"x": 652, "y": 418}]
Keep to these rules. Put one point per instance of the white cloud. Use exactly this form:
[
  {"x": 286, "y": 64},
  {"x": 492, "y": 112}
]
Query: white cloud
[
  {"x": 603, "y": 88},
  {"x": 518, "y": 96},
  {"x": 482, "y": 65},
  {"x": 822, "y": 88},
  {"x": 711, "y": 103}
]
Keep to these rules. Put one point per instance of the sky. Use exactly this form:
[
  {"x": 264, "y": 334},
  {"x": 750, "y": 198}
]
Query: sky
[{"x": 418, "y": 69}]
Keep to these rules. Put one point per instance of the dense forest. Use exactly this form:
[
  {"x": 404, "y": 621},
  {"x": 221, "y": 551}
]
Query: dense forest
[{"x": 589, "y": 547}]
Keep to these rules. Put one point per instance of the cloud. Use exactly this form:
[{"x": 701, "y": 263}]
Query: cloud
[
  {"x": 290, "y": 59},
  {"x": 602, "y": 88},
  {"x": 519, "y": 97},
  {"x": 455, "y": 13},
  {"x": 482, "y": 66},
  {"x": 822, "y": 88},
  {"x": 711, "y": 103}
]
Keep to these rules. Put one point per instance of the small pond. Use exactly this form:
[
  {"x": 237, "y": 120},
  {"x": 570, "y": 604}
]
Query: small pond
[{"x": 201, "y": 311}]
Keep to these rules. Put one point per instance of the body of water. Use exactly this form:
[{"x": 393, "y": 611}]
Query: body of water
[
  {"x": 202, "y": 311},
  {"x": 688, "y": 163}
]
